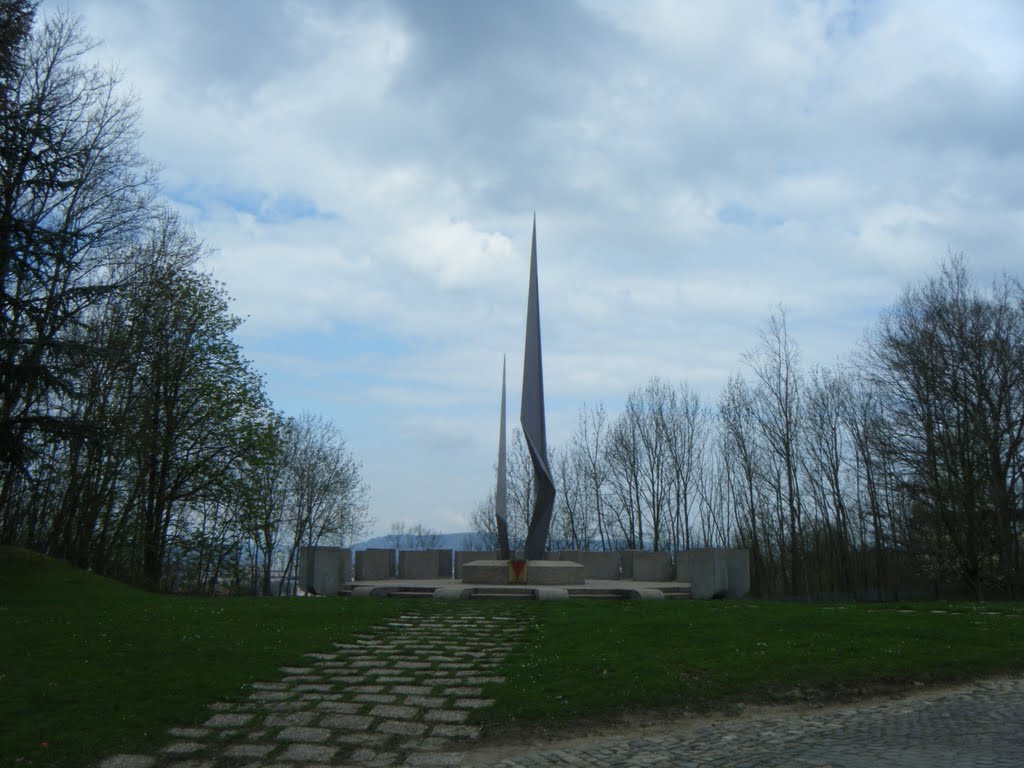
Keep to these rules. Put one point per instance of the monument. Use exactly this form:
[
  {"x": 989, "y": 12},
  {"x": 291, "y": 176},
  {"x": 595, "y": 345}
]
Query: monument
[
  {"x": 531, "y": 416},
  {"x": 534, "y": 569}
]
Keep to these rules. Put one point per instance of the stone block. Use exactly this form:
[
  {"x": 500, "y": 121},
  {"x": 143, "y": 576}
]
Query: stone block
[
  {"x": 375, "y": 565},
  {"x": 596, "y": 565},
  {"x": 485, "y": 572},
  {"x": 548, "y": 572},
  {"x": 641, "y": 565},
  {"x": 738, "y": 567},
  {"x": 322, "y": 570},
  {"x": 468, "y": 556},
  {"x": 425, "y": 564},
  {"x": 444, "y": 563},
  {"x": 715, "y": 572}
]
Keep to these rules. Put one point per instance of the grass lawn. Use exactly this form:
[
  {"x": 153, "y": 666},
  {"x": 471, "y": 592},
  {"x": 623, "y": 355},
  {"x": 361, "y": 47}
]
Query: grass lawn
[
  {"x": 597, "y": 658},
  {"x": 90, "y": 667}
]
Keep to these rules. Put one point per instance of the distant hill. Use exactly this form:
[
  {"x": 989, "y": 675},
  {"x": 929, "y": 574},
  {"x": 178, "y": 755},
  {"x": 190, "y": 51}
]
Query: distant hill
[{"x": 445, "y": 541}]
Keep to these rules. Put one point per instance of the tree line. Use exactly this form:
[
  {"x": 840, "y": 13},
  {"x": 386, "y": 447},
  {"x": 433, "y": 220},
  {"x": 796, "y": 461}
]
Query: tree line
[
  {"x": 902, "y": 464},
  {"x": 135, "y": 438}
]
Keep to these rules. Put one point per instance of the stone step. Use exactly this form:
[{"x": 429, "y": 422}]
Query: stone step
[
  {"x": 676, "y": 593},
  {"x": 503, "y": 593}
]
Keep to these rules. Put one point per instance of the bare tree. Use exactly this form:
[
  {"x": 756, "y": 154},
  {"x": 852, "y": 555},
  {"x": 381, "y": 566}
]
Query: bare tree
[
  {"x": 327, "y": 496},
  {"x": 589, "y": 447},
  {"x": 949, "y": 362},
  {"x": 777, "y": 409},
  {"x": 684, "y": 420},
  {"x": 743, "y": 461}
]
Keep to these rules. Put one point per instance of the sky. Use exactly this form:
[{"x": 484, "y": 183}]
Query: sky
[{"x": 366, "y": 177}]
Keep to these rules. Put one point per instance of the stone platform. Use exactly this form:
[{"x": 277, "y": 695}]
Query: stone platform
[{"x": 592, "y": 589}]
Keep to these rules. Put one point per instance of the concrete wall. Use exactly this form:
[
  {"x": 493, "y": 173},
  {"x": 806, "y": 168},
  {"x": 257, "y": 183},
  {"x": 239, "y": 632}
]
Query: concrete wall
[
  {"x": 715, "y": 572},
  {"x": 375, "y": 564},
  {"x": 425, "y": 564},
  {"x": 596, "y": 565},
  {"x": 322, "y": 570},
  {"x": 469, "y": 555},
  {"x": 640, "y": 565}
]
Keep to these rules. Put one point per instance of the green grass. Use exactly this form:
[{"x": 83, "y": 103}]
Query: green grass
[
  {"x": 90, "y": 667},
  {"x": 590, "y": 659}
]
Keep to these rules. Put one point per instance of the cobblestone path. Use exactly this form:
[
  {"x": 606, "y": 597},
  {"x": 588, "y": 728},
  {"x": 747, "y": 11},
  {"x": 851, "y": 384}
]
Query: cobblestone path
[
  {"x": 981, "y": 724},
  {"x": 398, "y": 696}
]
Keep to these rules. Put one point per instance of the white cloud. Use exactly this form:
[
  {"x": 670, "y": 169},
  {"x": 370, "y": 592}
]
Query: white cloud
[{"x": 367, "y": 174}]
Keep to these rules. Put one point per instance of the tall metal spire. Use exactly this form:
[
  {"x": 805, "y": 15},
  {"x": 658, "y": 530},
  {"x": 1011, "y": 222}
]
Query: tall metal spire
[
  {"x": 531, "y": 416},
  {"x": 501, "y": 492}
]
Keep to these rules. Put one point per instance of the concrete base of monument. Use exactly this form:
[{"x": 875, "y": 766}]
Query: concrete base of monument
[
  {"x": 448, "y": 589},
  {"x": 548, "y": 573}
]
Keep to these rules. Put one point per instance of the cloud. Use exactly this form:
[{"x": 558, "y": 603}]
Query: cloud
[{"x": 368, "y": 173}]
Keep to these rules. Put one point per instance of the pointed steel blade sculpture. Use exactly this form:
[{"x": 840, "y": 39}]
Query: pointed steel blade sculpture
[
  {"x": 501, "y": 492},
  {"x": 531, "y": 416}
]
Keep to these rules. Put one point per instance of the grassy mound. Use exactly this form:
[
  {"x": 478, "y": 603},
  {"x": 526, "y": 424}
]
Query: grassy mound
[{"x": 90, "y": 667}]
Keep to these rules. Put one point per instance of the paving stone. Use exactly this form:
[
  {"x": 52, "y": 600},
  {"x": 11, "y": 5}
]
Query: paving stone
[
  {"x": 364, "y": 739},
  {"x": 425, "y": 701},
  {"x": 473, "y": 703},
  {"x": 307, "y": 752},
  {"x": 189, "y": 733},
  {"x": 228, "y": 720},
  {"x": 446, "y": 716},
  {"x": 412, "y": 665},
  {"x": 270, "y": 695},
  {"x": 347, "y": 722},
  {"x": 376, "y": 698},
  {"x": 297, "y": 670},
  {"x": 366, "y": 688},
  {"x": 128, "y": 761},
  {"x": 435, "y": 759},
  {"x": 346, "y": 707},
  {"x": 298, "y": 733},
  {"x": 310, "y": 688},
  {"x": 292, "y": 705},
  {"x": 290, "y": 718},
  {"x": 183, "y": 747},
  {"x": 249, "y": 750},
  {"x": 326, "y": 696},
  {"x": 412, "y": 690},
  {"x": 348, "y": 679},
  {"x": 402, "y": 727},
  {"x": 456, "y": 731},
  {"x": 270, "y": 686},
  {"x": 395, "y": 711},
  {"x": 462, "y": 690},
  {"x": 190, "y": 764},
  {"x": 428, "y": 744}
]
